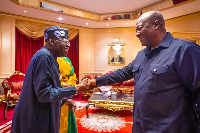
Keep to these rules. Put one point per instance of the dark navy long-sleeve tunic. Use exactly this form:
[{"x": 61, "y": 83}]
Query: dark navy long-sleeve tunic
[
  {"x": 166, "y": 89},
  {"x": 38, "y": 108}
]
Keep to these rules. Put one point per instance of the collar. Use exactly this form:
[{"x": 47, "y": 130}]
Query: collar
[
  {"x": 50, "y": 52},
  {"x": 166, "y": 41}
]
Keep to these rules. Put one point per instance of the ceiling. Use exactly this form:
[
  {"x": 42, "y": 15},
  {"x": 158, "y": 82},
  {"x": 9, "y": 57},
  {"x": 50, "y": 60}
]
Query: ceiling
[
  {"x": 107, "y": 6},
  {"x": 100, "y": 7}
]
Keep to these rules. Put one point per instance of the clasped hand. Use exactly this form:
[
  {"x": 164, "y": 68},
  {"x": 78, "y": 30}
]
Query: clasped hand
[
  {"x": 71, "y": 104},
  {"x": 85, "y": 85}
]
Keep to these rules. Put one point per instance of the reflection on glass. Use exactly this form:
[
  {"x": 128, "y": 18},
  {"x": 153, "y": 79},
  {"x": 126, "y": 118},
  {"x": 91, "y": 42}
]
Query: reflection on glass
[
  {"x": 117, "y": 47},
  {"x": 116, "y": 52}
]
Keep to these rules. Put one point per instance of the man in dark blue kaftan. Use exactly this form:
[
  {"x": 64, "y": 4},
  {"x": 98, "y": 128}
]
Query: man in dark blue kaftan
[
  {"x": 38, "y": 108},
  {"x": 166, "y": 80}
]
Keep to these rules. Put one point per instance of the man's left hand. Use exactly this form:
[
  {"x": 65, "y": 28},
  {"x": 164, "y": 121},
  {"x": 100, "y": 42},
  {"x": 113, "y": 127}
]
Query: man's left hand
[{"x": 71, "y": 104}]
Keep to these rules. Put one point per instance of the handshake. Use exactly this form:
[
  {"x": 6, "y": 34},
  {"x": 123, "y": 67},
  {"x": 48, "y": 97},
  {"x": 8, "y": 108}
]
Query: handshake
[{"x": 84, "y": 85}]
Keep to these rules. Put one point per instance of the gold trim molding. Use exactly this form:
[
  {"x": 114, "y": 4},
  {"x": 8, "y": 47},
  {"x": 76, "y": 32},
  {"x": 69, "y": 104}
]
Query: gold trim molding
[
  {"x": 188, "y": 16},
  {"x": 5, "y": 15},
  {"x": 70, "y": 11},
  {"x": 112, "y": 105},
  {"x": 190, "y": 36},
  {"x": 74, "y": 12}
]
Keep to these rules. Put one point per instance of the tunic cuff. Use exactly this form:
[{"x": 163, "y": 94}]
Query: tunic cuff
[
  {"x": 68, "y": 92},
  {"x": 101, "y": 81}
]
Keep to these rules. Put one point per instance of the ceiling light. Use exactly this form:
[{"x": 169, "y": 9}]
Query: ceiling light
[
  {"x": 107, "y": 24},
  {"x": 24, "y": 11},
  {"x": 86, "y": 23},
  {"x": 60, "y": 18},
  {"x": 127, "y": 23}
]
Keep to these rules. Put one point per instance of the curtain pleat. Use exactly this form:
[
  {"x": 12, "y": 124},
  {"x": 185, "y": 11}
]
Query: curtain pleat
[
  {"x": 73, "y": 54},
  {"x": 72, "y": 33},
  {"x": 25, "y": 48},
  {"x": 35, "y": 30},
  {"x": 29, "y": 39},
  {"x": 31, "y": 29}
]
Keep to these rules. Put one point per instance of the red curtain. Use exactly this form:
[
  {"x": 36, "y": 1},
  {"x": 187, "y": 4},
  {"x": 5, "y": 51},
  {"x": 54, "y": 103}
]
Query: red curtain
[
  {"x": 25, "y": 48},
  {"x": 178, "y": 1},
  {"x": 73, "y": 54}
]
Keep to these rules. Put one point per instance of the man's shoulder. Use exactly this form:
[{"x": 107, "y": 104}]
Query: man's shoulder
[
  {"x": 42, "y": 52},
  {"x": 141, "y": 52},
  {"x": 181, "y": 40},
  {"x": 185, "y": 43}
]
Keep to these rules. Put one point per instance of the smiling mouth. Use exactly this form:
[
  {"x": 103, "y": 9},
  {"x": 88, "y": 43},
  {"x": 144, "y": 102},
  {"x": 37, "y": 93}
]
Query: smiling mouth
[
  {"x": 65, "y": 52},
  {"x": 66, "y": 49},
  {"x": 141, "y": 39}
]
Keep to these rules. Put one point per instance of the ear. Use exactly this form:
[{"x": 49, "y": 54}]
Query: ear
[
  {"x": 157, "y": 24},
  {"x": 51, "y": 42}
]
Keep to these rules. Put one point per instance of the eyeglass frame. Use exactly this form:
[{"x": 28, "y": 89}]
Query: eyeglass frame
[{"x": 63, "y": 41}]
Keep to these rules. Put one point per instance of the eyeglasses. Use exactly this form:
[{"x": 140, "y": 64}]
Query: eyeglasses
[{"x": 63, "y": 40}]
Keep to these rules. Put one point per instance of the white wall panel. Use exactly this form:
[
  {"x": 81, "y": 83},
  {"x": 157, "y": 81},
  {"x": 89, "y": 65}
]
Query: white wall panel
[{"x": 7, "y": 48}]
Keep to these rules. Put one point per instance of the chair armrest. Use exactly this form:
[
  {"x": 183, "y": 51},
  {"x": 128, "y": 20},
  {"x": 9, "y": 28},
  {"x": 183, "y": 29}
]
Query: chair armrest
[
  {"x": 7, "y": 88},
  {"x": 6, "y": 85}
]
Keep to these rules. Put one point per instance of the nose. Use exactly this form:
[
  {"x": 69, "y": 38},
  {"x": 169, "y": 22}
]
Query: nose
[
  {"x": 137, "y": 34},
  {"x": 68, "y": 44}
]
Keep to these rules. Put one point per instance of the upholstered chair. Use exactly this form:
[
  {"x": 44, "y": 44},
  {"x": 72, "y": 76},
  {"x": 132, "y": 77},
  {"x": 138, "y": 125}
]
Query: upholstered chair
[{"x": 12, "y": 89}]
